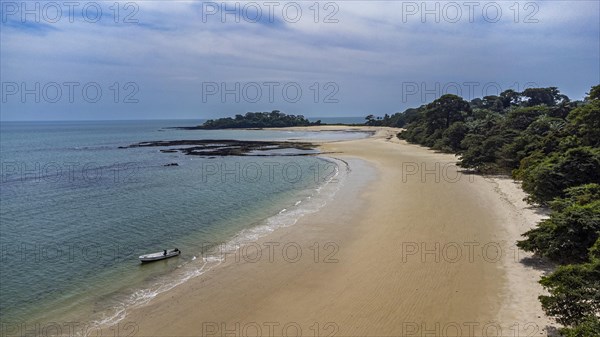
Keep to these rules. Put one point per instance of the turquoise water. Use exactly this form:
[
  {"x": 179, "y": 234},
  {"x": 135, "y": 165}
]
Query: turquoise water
[{"x": 76, "y": 211}]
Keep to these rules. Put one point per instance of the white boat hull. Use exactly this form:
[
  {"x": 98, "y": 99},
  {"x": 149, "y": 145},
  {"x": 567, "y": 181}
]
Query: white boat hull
[{"x": 160, "y": 255}]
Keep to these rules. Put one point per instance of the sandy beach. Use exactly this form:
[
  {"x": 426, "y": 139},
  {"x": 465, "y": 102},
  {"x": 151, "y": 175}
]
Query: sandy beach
[{"x": 409, "y": 246}]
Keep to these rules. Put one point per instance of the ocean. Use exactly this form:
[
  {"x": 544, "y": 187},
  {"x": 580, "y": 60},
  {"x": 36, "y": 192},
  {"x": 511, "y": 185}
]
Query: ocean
[{"x": 76, "y": 211}]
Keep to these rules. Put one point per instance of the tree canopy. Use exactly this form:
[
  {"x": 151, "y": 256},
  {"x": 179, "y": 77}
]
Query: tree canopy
[
  {"x": 273, "y": 119},
  {"x": 552, "y": 145}
]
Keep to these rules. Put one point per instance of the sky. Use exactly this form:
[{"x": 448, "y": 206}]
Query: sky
[{"x": 90, "y": 60}]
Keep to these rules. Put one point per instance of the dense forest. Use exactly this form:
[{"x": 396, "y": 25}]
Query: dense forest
[
  {"x": 273, "y": 119},
  {"x": 552, "y": 145}
]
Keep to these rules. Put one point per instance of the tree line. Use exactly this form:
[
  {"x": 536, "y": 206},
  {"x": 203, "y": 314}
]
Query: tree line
[
  {"x": 273, "y": 119},
  {"x": 552, "y": 146}
]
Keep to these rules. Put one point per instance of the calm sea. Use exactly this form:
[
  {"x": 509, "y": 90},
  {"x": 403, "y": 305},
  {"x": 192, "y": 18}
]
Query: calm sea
[{"x": 76, "y": 211}]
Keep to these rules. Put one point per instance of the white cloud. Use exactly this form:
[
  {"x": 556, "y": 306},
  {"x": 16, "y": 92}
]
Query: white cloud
[{"x": 370, "y": 50}]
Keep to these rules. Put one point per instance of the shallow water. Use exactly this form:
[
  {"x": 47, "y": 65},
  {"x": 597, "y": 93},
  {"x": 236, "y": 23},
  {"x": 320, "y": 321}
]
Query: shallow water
[{"x": 76, "y": 211}]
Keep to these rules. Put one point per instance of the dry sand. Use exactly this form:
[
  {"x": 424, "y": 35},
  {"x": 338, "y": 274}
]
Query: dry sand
[{"x": 417, "y": 249}]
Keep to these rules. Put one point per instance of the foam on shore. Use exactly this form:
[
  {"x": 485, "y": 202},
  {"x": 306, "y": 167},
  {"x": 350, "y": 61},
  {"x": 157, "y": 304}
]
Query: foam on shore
[{"x": 202, "y": 262}]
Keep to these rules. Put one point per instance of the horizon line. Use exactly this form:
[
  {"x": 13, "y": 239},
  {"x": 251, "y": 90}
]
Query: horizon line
[{"x": 148, "y": 119}]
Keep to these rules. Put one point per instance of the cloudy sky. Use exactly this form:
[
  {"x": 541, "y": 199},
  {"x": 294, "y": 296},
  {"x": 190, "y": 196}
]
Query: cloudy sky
[{"x": 192, "y": 59}]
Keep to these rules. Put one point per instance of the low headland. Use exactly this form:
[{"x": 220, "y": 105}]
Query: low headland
[{"x": 254, "y": 120}]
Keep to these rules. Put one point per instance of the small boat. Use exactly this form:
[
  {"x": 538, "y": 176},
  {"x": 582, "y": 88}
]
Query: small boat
[{"x": 165, "y": 254}]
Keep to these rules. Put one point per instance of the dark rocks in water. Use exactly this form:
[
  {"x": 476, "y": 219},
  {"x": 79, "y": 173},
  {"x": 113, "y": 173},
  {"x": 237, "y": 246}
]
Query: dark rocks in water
[
  {"x": 223, "y": 147},
  {"x": 171, "y": 164}
]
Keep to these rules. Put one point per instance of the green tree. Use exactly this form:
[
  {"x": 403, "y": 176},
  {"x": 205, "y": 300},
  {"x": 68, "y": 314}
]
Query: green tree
[
  {"x": 567, "y": 235},
  {"x": 521, "y": 118},
  {"x": 585, "y": 123},
  {"x": 480, "y": 152},
  {"x": 509, "y": 98},
  {"x": 543, "y": 96},
  {"x": 553, "y": 146},
  {"x": 452, "y": 137},
  {"x": 541, "y": 135},
  {"x": 271, "y": 119},
  {"x": 574, "y": 294},
  {"x": 588, "y": 327},
  {"x": 548, "y": 178},
  {"x": 594, "y": 93},
  {"x": 446, "y": 110},
  {"x": 572, "y": 228}
]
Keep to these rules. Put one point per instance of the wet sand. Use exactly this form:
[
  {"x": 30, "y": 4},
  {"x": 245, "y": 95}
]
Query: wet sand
[{"x": 410, "y": 246}]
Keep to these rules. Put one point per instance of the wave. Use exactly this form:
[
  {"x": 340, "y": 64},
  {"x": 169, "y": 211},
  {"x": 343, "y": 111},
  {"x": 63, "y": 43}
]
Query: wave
[{"x": 316, "y": 199}]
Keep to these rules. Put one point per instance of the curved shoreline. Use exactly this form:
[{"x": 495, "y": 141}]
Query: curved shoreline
[
  {"x": 100, "y": 310},
  {"x": 389, "y": 277},
  {"x": 214, "y": 257}
]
